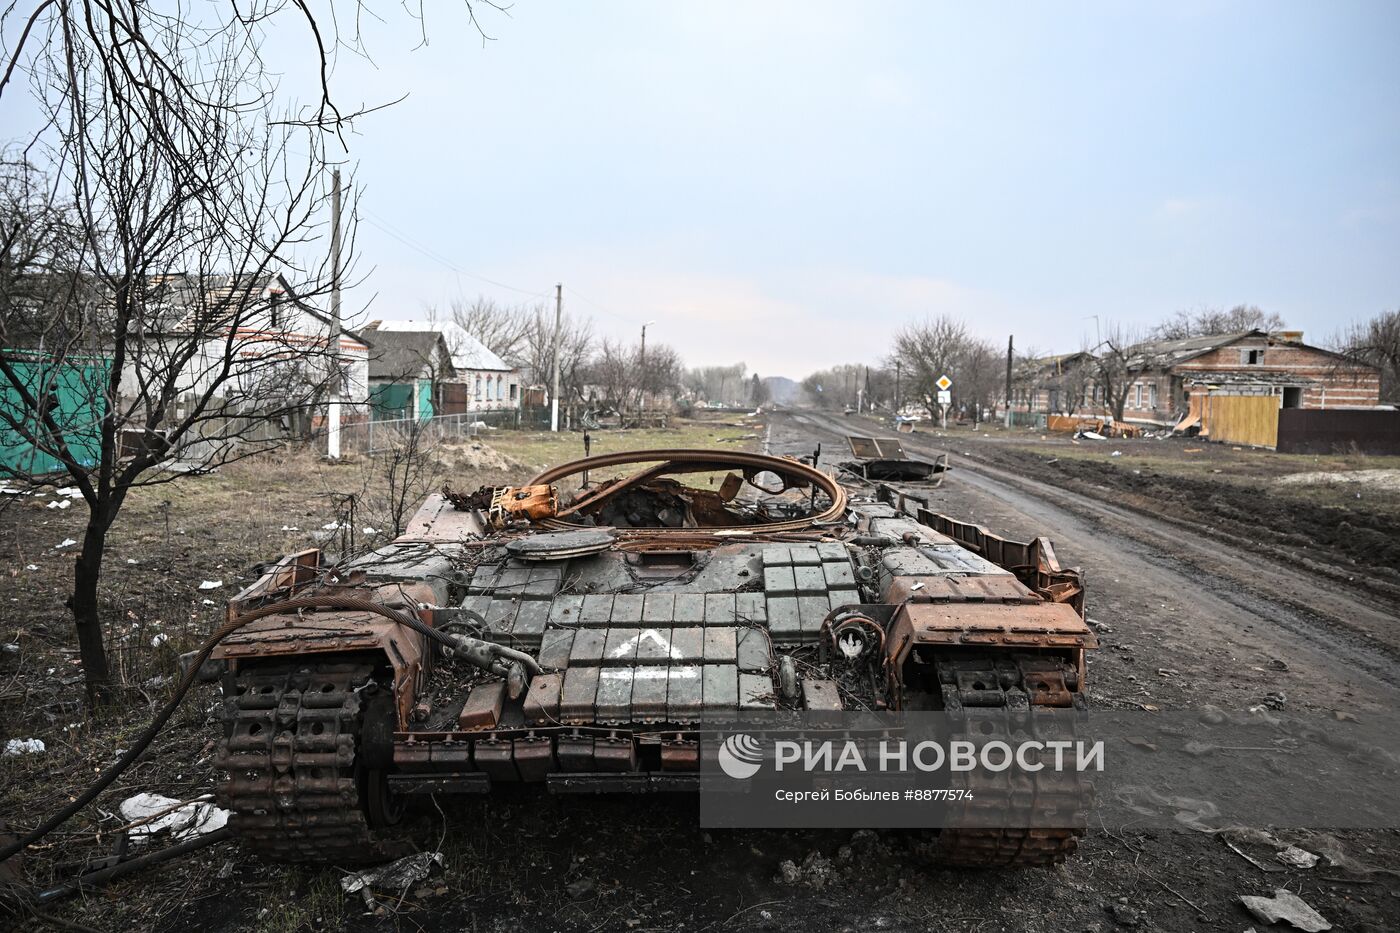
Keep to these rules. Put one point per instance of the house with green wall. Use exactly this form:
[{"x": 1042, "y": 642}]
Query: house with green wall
[
  {"x": 406, "y": 371},
  {"x": 70, "y": 391}
]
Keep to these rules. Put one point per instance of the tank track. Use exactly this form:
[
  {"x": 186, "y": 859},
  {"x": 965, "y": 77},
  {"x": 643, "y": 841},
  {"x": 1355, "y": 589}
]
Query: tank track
[
  {"x": 1014, "y": 685},
  {"x": 294, "y": 787}
]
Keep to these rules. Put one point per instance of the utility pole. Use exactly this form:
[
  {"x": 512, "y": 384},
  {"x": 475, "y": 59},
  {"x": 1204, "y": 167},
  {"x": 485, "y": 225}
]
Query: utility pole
[
  {"x": 558, "y": 334},
  {"x": 333, "y": 408},
  {"x": 1010, "y": 347},
  {"x": 642, "y": 376},
  {"x": 897, "y": 367}
]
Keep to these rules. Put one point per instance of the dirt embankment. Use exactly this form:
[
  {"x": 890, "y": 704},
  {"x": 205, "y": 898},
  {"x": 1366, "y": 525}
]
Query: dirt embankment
[{"x": 1353, "y": 527}]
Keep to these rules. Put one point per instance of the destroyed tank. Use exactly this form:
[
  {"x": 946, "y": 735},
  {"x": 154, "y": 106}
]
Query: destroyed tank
[{"x": 582, "y": 631}]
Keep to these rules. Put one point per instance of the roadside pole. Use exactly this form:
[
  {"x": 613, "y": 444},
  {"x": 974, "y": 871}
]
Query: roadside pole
[
  {"x": 945, "y": 398},
  {"x": 1010, "y": 343},
  {"x": 558, "y": 331},
  {"x": 333, "y": 407}
]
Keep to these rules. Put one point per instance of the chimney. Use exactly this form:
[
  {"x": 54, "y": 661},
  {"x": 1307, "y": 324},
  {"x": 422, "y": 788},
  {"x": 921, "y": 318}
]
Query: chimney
[{"x": 1293, "y": 336}]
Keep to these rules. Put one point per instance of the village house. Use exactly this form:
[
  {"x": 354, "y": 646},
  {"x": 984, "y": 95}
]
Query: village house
[
  {"x": 274, "y": 324},
  {"x": 252, "y": 341},
  {"x": 474, "y": 379},
  {"x": 1059, "y": 385},
  {"x": 1173, "y": 378},
  {"x": 407, "y": 370}
]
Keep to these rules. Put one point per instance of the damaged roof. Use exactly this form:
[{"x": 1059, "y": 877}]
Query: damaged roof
[
  {"x": 1250, "y": 377},
  {"x": 1164, "y": 354}
]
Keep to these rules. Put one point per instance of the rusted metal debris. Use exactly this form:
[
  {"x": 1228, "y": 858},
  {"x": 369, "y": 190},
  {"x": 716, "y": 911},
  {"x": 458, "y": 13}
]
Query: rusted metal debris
[
  {"x": 650, "y": 607},
  {"x": 884, "y": 459}
]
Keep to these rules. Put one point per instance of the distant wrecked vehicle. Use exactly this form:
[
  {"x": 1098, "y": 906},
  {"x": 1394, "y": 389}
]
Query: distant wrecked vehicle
[{"x": 583, "y": 636}]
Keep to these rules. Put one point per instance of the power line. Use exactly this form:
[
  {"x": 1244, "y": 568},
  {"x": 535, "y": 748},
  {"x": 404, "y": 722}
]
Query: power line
[
  {"x": 587, "y": 300},
  {"x": 375, "y": 220}
]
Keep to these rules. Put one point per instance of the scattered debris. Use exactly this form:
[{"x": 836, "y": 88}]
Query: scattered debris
[
  {"x": 25, "y": 747},
  {"x": 211, "y": 584},
  {"x": 1285, "y": 907},
  {"x": 1297, "y": 858},
  {"x": 31, "y": 566},
  {"x": 580, "y": 887},
  {"x": 159, "y": 639},
  {"x": 60, "y": 503},
  {"x": 395, "y": 876},
  {"x": 1124, "y": 913},
  {"x": 66, "y": 542},
  {"x": 152, "y": 814},
  {"x": 1116, "y": 453},
  {"x": 814, "y": 872}
]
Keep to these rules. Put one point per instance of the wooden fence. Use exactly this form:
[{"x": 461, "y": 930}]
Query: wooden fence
[{"x": 1249, "y": 420}]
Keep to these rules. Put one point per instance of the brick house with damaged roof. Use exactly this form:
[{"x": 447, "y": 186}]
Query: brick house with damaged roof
[{"x": 1172, "y": 377}]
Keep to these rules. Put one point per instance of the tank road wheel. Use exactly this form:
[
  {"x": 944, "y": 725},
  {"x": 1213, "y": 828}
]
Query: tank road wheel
[{"x": 305, "y": 763}]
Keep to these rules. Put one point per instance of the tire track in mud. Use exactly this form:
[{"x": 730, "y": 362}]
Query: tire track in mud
[{"x": 1343, "y": 634}]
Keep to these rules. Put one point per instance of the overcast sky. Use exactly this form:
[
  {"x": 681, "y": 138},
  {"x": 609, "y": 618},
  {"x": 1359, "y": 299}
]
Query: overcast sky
[{"x": 787, "y": 182}]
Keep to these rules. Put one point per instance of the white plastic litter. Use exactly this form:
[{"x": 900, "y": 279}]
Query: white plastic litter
[
  {"x": 159, "y": 639},
  {"x": 395, "y": 877},
  {"x": 25, "y": 747},
  {"x": 1287, "y": 907},
  {"x": 1298, "y": 858},
  {"x": 66, "y": 542},
  {"x": 290, "y": 528},
  {"x": 207, "y": 602},
  {"x": 211, "y": 584},
  {"x": 132, "y": 560},
  {"x": 60, "y": 503},
  {"x": 1116, "y": 453},
  {"x": 183, "y": 822},
  {"x": 1093, "y": 436},
  {"x": 31, "y": 566}
]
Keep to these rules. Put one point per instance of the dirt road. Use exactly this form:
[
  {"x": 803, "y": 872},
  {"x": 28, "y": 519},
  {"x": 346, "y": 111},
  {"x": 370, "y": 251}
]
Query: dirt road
[{"x": 1172, "y": 599}]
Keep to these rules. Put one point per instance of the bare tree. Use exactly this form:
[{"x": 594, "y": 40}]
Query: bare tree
[
  {"x": 1206, "y": 321},
  {"x": 407, "y": 471},
  {"x": 180, "y": 207},
  {"x": 575, "y": 345},
  {"x": 1377, "y": 343},
  {"x": 927, "y": 350},
  {"x": 715, "y": 383},
  {"x": 758, "y": 391},
  {"x": 503, "y": 329},
  {"x": 979, "y": 374},
  {"x": 1117, "y": 362}
]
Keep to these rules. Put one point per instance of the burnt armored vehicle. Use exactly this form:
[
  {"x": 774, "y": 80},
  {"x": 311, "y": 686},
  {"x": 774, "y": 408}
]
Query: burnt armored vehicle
[{"x": 583, "y": 635}]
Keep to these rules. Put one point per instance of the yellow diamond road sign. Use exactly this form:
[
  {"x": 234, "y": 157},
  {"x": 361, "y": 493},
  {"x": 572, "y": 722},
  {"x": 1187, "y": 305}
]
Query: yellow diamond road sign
[{"x": 944, "y": 383}]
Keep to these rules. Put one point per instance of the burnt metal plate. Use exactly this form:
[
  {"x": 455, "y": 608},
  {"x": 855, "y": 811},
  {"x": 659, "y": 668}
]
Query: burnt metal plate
[
  {"x": 561, "y": 545},
  {"x": 863, "y": 447}
]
